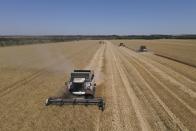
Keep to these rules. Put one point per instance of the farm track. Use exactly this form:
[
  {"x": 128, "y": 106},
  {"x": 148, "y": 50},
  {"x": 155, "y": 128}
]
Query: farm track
[
  {"x": 133, "y": 100},
  {"x": 141, "y": 91}
]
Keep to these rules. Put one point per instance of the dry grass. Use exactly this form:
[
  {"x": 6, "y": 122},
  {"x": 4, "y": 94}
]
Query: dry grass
[{"x": 142, "y": 91}]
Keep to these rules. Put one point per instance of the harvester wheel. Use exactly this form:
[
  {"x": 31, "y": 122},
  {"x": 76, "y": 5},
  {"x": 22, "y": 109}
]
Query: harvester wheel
[
  {"x": 89, "y": 96},
  {"x": 101, "y": 105}
]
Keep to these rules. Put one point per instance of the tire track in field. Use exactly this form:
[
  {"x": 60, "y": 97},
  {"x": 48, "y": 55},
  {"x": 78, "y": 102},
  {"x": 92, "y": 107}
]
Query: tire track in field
[
  {"x": 158, "y": 119},
  {"x": 133, "y": 98},
  {"x": 118, "y": 122},
  {"x": 142, "y": 68},
  {"x": 146, "y": 98},
  {"x": 96, "y": 64},
  {"x": 184, "y": 92},
  {"x": 185, "y": 71},
  {"x": 125, "y": 116},
  {"x": 6, "y": 90},
  {"x": 185, "y": 80},
  {"x": 19, "y": 83},
  {"x": 146, "y": 68},
  {"x": 183, "y": 83}
]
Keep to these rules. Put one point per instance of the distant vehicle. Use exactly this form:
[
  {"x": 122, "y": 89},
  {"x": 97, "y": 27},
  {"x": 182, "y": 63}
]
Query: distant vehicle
[
  {"x": 101, "y": 42},
  {"x": 122, "y": 44},
  {"x": 142, "y": 48}
]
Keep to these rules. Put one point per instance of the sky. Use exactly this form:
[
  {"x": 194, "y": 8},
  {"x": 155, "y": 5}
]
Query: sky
[{"x": 97, "y": 17}]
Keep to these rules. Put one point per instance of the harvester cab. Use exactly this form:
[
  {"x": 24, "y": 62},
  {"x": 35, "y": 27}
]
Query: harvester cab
[{"x": 81, "y": 84}]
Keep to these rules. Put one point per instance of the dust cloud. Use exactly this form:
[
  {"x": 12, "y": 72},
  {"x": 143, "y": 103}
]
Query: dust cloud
[{"x": 52, "y": 57}]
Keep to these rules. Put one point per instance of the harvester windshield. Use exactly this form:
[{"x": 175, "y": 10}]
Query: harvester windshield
[
  {"x": 78, "y": 80},
  {"x": 84, "y": 75}
]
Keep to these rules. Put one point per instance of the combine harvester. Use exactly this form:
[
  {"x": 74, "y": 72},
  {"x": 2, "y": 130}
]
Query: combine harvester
[
  {"x": 82, "y": 86},
  {"x": 122, "y": 44},
  {"x": 142, "y": 49}
]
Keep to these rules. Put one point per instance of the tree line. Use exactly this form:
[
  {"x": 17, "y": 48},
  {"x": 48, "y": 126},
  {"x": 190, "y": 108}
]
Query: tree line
[{"x": 26, "y": 40}]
